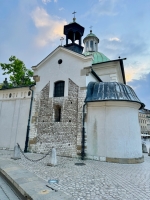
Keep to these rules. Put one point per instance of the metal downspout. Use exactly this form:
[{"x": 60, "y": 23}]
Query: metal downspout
[
  {"x": 29, "y": 118},
  {"x": 83, "y": 135}
]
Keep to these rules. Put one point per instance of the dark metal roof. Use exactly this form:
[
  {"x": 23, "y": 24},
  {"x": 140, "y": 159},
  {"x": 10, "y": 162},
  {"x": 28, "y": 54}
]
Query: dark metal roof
[{"x": 111, "y": 91}]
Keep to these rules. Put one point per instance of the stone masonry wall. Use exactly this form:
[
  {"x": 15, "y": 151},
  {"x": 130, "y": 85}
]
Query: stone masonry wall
[{"x": 64, "y": 135}]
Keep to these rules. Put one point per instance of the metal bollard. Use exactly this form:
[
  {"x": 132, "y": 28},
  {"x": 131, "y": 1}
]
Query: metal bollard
[
  {"x": 53, "y": 158},
  {"x": 16, "y": 153},
  {"x": 149, "y": 152}
]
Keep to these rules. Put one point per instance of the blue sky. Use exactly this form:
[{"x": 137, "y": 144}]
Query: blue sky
[{"x": 31, "y": 29}]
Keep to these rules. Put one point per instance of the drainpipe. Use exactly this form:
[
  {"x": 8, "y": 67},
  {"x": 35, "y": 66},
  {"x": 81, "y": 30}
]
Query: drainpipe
[
  {"x": 83, "y": 135},
  {"x": 28, "y": 126}
]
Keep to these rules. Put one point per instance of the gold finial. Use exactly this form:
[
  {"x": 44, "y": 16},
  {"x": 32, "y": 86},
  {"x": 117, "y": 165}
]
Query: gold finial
[{"x": 74, "y": 19}]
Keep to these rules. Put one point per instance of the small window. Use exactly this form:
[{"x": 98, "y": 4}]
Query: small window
[
  {"x": 59, "y": 89},
  {"x": 91, "y": 45},
  {"x": 59, "y": 61},
  {"x": 57, "y": 113}
]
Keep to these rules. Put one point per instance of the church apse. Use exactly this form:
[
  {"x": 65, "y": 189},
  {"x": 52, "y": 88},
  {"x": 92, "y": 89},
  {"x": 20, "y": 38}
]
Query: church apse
[{"x": 58, "y": 122}]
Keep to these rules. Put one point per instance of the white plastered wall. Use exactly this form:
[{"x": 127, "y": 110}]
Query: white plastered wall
[
  {"x": 90, "y": 78},
  {"x": 72, "y": 64},
  {"x": 14, "y": 114},
  {"x": 113, "y": 130},
  {"x": 109, "y": 71}
]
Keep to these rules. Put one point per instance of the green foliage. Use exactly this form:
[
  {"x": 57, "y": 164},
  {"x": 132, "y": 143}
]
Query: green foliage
[{"x": 19, "y": 74}]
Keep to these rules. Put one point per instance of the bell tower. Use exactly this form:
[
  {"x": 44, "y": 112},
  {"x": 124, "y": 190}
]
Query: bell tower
[{"x": 74, "y": 32}]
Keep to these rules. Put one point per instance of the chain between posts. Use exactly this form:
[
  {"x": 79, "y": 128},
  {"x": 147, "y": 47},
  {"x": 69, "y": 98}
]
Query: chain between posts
[{"x": 32, "y": 159}]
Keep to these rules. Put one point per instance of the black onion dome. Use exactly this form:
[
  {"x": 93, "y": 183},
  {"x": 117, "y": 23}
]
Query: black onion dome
[{"x": 111, "y": 91}]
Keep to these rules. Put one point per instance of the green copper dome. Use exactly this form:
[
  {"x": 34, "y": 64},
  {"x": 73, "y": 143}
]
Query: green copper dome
[
  {"x": 97, "y": 56},
  {"x": 90, "y": 35}
]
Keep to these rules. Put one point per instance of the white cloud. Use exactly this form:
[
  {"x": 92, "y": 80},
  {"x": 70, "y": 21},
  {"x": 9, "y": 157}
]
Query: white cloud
[
  {"x": 104, "y": 7},
  {"x": 49, "y": 27},
  {"x": 61, "y": 8},
  {"x": 114, "y": 39},
  {"x": 136, "y": 71},
  {"x": 141, "y": 87},
  {"x": 48, "y": 1}
]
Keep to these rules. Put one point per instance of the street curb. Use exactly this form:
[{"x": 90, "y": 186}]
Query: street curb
[{"x": 28, "y": 184}]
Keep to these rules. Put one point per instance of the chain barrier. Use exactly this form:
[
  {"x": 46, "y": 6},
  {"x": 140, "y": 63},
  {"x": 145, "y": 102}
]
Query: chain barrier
[{"x": 32, "y": 159}]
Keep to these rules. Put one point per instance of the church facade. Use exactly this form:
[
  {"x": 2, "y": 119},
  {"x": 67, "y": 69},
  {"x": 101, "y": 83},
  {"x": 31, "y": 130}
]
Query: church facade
[{"x": 82, "y": 105}]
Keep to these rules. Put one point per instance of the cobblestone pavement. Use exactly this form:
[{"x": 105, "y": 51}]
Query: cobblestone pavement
[
  {"x": 5, "y": 191},
  {"x": 95, "y": 180}
]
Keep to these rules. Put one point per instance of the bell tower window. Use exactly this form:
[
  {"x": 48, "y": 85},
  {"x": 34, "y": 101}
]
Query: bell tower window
[
  {"x": 59, "y": 89},
  {"x": 74, "y": 33},
  {"x": 91, "y": 42},
  {"x": 91, "y": 45},
  {"x": 87, "y": 45}
]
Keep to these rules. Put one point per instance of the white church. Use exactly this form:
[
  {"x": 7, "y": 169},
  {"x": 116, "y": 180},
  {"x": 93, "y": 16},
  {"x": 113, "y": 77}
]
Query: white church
[{"x": 80, "y": 104}]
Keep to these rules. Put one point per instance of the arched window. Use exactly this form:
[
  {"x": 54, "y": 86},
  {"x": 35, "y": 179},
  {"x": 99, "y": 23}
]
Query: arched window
[
  {"x": 91, "y": 45},
  {"x": 59, "y": 89},
  {"x": 57, "y": 113}
]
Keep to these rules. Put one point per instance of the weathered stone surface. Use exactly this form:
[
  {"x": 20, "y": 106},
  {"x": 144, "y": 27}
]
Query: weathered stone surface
[{"x": 64, "y": 135}]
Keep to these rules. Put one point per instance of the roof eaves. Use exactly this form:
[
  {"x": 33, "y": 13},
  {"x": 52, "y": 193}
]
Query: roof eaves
[
  {"x": 96, "y": 76},
  {"x": 14, "y": 87},
  {"x": 45, "y": 57},
  {"x": 34, "y": 67},
  {"x": 108, "y": 61},
  {"x": 141, "y": 107}
]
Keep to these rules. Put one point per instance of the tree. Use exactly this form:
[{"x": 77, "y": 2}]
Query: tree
[{"x": 19, "y": 74}]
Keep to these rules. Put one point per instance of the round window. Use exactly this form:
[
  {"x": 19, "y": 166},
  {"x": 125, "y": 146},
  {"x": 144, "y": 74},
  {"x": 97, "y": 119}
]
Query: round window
[{"x": 59, "y": 61}]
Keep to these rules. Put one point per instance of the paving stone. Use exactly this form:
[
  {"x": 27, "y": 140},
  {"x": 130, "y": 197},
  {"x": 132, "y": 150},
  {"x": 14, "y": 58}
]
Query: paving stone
[{"x": 95, "y": 180}]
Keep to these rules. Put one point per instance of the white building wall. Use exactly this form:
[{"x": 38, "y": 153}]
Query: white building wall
[
  {"x": 113, "y": 130},
  {"x": 109, "y": 71},
  {"x": 71, "y": 67},
  {"x": 14, "y": 114},
  {"x": 90, "y": 78}
]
